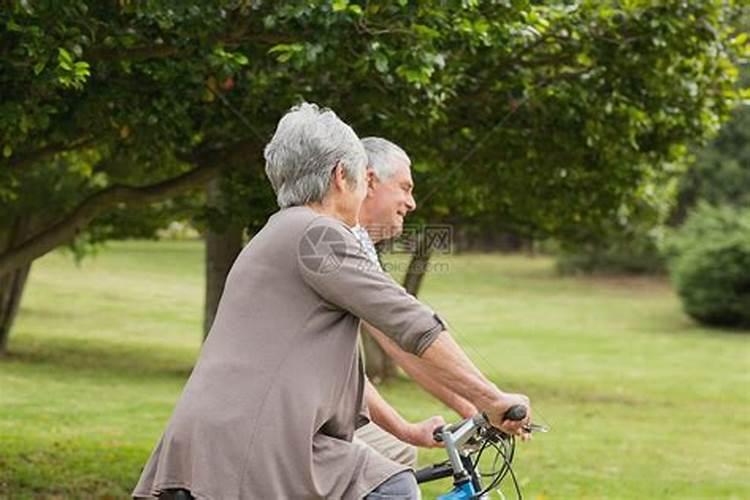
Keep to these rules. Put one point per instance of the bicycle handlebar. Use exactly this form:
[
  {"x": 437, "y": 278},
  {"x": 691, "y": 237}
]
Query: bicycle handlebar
[
  {"x": 514, "y": 413},
  {"x": 466, "y": 441}
]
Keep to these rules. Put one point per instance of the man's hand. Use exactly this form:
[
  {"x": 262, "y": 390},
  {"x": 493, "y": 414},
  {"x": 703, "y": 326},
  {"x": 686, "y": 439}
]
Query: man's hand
[
  {"x": 497, "y": 409},
  {"x": 420, "y": 433}
]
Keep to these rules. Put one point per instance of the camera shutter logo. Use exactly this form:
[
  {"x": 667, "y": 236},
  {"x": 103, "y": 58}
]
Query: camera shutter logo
[{"x": 320, "y": 249}]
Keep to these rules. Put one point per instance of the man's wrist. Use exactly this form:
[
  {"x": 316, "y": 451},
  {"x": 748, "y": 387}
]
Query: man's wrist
[
  {"x": 488, "y": 397},
  {"x": 396, "y": 425},
  {"x": 405, "y": 432},
  {"x": 465, "y": 409}
]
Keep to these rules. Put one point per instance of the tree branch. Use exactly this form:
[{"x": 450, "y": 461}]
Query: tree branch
[
  {"x": 25, "y": 159},
  {"x": 209, "y": 165}
]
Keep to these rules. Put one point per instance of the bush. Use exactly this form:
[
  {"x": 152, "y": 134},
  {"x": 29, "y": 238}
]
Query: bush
[{"x": 709, "y": 259}]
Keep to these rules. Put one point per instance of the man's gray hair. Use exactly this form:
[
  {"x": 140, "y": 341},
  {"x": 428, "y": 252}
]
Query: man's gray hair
[
  {"x": 383, "y": 156},
  {"x": 308, "y": 144}
]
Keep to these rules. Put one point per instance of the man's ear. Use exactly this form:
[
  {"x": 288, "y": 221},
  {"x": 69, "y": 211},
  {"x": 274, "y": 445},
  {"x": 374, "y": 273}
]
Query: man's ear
[{"x": 371, "y": 180}]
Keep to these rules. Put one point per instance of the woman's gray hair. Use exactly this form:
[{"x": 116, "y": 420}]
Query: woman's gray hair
[
  {"x": 383, "y": 156},
  {"x": 308, "y": 144}
]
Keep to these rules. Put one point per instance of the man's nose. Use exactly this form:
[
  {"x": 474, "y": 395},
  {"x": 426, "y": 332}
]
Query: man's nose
[{"x": 411, "y": 203}]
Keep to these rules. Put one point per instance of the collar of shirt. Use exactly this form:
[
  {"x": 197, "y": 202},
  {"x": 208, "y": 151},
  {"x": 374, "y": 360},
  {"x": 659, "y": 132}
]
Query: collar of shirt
[{"x": 367, "y": 245}]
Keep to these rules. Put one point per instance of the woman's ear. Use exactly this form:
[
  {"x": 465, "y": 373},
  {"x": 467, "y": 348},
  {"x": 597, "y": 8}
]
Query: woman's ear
[{"x": 339, "y": 177}]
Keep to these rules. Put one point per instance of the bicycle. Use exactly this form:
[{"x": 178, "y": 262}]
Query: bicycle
[{"x": 465, "y": 443}]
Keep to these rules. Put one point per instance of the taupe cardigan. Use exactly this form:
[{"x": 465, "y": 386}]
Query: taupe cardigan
[{"x": 276, "y": 394}]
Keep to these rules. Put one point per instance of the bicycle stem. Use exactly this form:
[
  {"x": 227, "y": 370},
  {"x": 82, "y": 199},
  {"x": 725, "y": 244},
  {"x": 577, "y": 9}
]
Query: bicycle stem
[{"x": 454, "y": 439}]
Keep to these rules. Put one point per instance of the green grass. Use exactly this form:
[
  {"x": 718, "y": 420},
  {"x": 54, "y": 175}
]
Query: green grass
[{"x": 642, "y": 402}]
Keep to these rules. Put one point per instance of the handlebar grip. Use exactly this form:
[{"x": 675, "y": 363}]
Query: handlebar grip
[
  {"x": 437, "y": 434},
  {"x": 515, "y": 413}
]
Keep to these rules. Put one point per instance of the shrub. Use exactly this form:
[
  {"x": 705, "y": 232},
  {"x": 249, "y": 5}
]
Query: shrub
[{"x": 709, "y": 260}]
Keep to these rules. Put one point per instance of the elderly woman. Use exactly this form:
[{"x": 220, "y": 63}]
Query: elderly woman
[{"x": 271, "y": 406}]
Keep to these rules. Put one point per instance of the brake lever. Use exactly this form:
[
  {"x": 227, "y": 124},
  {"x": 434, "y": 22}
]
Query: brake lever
[
  {"x": 494, "y": 433},
  {"x": 518, "y": 412},
  {"x": 535, "y": 428}
]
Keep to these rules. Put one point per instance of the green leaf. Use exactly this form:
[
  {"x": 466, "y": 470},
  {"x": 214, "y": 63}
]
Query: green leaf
[
  {"x": 64, "y": 56},
  {"x": 13, "y": 26},
  {"x": 339, "y": 5},
  {"x": 284, "y": 57},
  {"x": 286, "y": 51},
  {"x": 286, "y": 47},
  {"x": 39, "y": 67},
  {"x": 381, "y": 62},
  {"x": 82, "y": 70},
  {"x": 7, "y": 151}
]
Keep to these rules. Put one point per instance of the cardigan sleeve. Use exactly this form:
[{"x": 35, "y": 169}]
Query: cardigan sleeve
[{"x": 333, "y": 263}]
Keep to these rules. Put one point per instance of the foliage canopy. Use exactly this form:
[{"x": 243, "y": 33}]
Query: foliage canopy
[{"x": 553, "y": 116}]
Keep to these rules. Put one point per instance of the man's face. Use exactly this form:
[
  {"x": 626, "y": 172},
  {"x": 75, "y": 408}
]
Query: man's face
[{"x": 388, "y": 201}]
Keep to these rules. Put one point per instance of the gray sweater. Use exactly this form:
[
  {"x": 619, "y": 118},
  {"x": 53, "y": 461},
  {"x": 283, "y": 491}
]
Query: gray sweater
[{"x": 278, "y": 389}]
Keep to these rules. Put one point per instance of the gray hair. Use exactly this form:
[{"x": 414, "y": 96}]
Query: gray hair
[
  {"x": 383, "y": 156},
  {"x": 308, "y": 144}
]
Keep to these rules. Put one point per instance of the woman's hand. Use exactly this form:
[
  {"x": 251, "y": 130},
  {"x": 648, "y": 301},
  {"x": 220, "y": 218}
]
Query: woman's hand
[{"x": 420, "y": 433}]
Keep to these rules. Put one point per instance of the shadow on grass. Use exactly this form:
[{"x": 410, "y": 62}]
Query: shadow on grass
[{"x": 86, "y": 358}]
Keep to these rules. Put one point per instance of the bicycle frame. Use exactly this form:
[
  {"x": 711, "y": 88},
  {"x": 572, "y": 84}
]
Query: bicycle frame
[
  {"x": 466, "y": 482},
  {"x": 470, "y": 438}
]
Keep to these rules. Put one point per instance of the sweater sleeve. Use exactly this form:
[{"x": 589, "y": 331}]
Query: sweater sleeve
[{"x": 332, "y": 262}]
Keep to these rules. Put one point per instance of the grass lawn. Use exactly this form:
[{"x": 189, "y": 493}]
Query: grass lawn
[{"x": 642, "y": 402}]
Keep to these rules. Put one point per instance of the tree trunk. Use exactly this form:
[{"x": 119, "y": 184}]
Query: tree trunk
[
  {"x": 11, "y": 291},
  {"x": 12, "y": 284},
  {"x": 417, "y": 266},
  {"x": 222, "y": 248},
  {"x": 379, "y": 365}
]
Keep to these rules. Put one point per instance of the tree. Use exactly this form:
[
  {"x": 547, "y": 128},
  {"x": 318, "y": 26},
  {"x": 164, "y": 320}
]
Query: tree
[
  {"x": 720, "y": 174},
  {"x": 717, "y": 174},
  {"x": 118, "y": 103},
  {"x": 223, "y": 245}
]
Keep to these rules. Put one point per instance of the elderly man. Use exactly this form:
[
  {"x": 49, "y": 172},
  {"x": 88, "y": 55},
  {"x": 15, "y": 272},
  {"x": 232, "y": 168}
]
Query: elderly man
[
  {"x": 270, "y": 409},
  {"x": 389, "y": 199}
]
